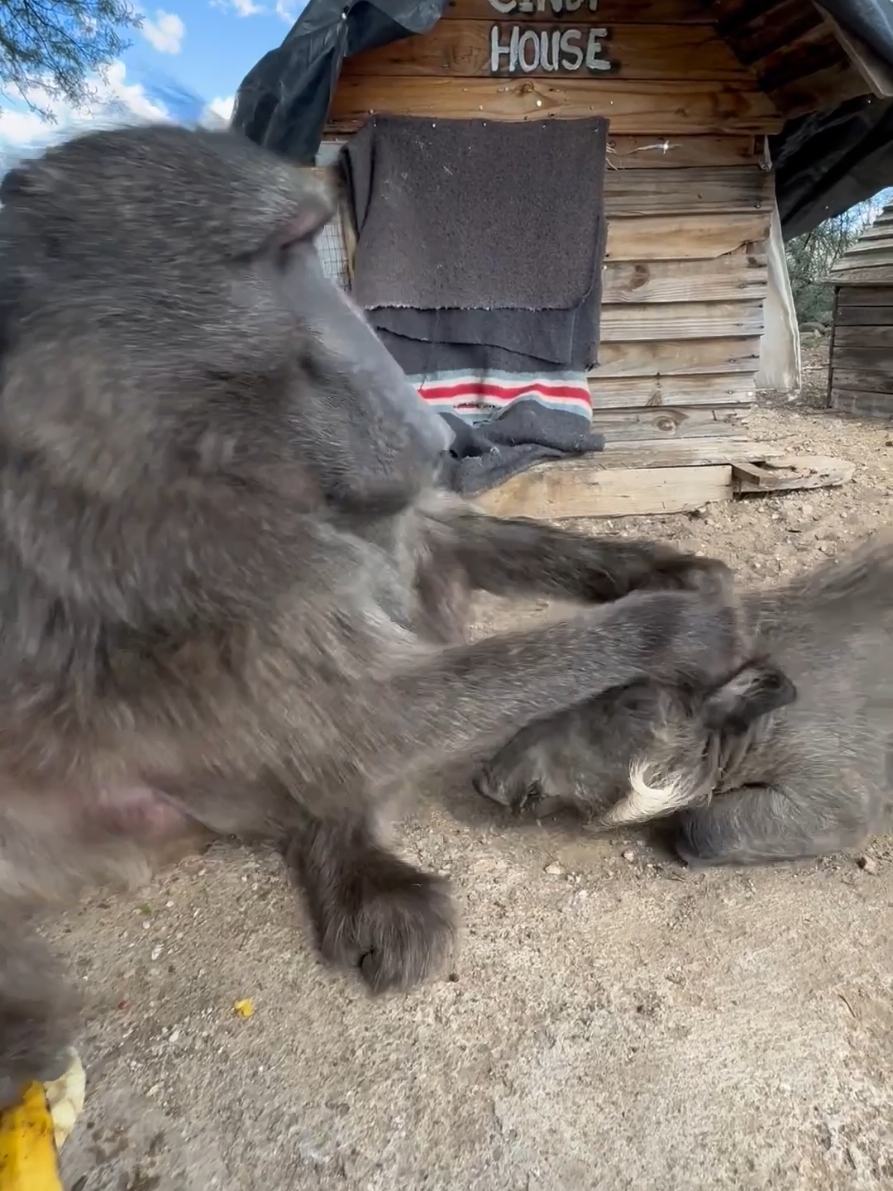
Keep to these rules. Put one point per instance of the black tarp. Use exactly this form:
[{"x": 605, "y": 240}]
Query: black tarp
[{"x": 825, "y": 162}]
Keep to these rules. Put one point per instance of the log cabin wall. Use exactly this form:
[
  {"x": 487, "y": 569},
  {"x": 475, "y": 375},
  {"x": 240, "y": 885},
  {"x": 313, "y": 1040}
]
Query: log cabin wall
[{"x": 688, "y": 195}]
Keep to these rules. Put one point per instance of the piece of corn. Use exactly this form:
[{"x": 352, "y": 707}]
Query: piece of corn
[{"x": 33, "y": 1131}]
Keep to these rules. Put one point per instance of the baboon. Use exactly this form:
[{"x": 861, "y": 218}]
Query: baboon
[
  {"x": 230, "y": 592},
  {"x": 790, "y": 758}
]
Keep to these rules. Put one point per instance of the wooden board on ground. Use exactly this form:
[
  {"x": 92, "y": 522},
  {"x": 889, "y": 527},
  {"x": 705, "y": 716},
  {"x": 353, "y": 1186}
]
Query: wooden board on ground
[
  {"x": 791, "y": 473},
  {"x": 645, "y": 479},
  {"x": 556, "y": 491}
]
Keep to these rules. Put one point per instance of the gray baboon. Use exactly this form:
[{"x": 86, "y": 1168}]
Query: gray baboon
[
  {"x": 747, "y": 771},
  {"x": 229, "y": 593}
]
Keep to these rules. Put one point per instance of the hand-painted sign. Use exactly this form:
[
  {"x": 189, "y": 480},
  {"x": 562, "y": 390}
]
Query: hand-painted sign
[{"x": 514, "y": 48}]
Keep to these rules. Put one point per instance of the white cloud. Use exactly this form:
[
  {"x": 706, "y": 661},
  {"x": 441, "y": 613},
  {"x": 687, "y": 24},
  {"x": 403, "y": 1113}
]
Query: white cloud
[
  {"x": 219, "y": 111},
  {"x": 113, "y": 100},
  {"x": 242, "y": 8},
  {"x": 165, "y": 33}
]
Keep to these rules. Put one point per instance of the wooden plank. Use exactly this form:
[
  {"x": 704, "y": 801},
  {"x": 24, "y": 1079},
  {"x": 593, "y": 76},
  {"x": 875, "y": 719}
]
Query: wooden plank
[
  {"x": 650, "y": 152},
  {"x": 741, "y": 274},
  {"x": 862, "y": 379},
  {"x": 791, "y": 473},
  {"x": 821, "y": 89},
  {"x": 865, "y": 337},
  {"x": 683, "y": 237},
  {"x": 641, "y": 392},
  {"x": 552, "y": 492},
  {"x": 769, "y": 30},
  {"x": 813, "y": 51},
  {"x": 631, "y": 425},
  {"x": 679, "y": 452},
  {"x": 659, "y": 108},
  {"x": 872, "y": 68},
  {"x": 864, "y": 276},
  {"x": 865, "y": 295},
  {"x": 465, "y": 49},
  {"x": 866, "y": 316},
  {"x": 681, "y": 320},
  {"x": 691, "y": 357},
  {"x": 738, "y": 275},
  {"x": 647, "y": 12},
  {"x": 722, "y": 190},
  {"x": 862, "y": 404}
]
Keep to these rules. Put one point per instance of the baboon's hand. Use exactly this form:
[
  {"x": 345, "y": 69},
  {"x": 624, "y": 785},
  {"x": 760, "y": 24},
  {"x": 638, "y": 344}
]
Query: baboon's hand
[
  {"x": 689, "y": 572},
  {"x": 681, "y": 636}
]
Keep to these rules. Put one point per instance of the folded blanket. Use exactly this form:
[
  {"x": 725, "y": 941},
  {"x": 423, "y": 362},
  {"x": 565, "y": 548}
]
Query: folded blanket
[
  {"x": 476, "y": 214},
  {"x": 526, "y": 433},
  {"x": 567, "y": 338}
]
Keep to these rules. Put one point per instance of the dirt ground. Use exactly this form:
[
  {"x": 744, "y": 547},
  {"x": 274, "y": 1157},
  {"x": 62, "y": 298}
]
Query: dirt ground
[{"x": 610, "y": 1021}]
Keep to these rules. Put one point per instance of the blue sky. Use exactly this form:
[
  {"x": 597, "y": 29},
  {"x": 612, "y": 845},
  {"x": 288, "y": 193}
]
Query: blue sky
[{"x": 197, "y": 49}]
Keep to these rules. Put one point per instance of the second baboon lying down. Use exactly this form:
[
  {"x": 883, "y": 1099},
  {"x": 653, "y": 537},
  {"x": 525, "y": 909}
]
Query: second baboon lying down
[{"x": 763, "y": 767}]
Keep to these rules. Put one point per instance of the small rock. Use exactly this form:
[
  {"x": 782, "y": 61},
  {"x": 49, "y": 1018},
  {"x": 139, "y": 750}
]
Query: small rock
[
  {"x": 629, "y": 855},
  {"x": 867, "y": 864},
  {"x": 554, "y": 869}
]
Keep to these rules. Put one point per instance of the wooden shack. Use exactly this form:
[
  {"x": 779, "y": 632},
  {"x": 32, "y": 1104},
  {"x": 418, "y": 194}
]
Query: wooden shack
[
  {"x": 860, "y": 371},
  {"x": 694, "y": 259}
]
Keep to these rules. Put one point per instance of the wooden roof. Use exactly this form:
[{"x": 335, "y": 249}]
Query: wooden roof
[
  {"x": 802, "y": 57},
  {"x": 870, "y": 260}
]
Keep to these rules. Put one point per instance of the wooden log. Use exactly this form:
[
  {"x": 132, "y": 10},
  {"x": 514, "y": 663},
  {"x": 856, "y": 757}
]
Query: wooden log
[
  {"x": 683, "y": 237},
  {"x": 681, "y": 320},
  {"x": 642, "y": 392},
  {"x": 865, "y": 316},
  {"x": 631, "y": 425},
  {"x": 661, "y": 108},
  {"x": 465, "y": 49},
  {"x": 568, "y": 490},
  {"x": 690, "y": 357},
  {"x": 738, "y": 275},
  {"x": 650, "y": 152},
  {"x": 723, "y": 190},
  {"x": 647, "y": 12},
  {"x": 862, "y": 403}
]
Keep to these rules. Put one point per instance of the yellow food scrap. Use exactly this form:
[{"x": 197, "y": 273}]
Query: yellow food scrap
[
  {"x": 65, "y": 1097},
  {"x": 27, "y": 1145},
  {"x": 243, "y": 1008}
]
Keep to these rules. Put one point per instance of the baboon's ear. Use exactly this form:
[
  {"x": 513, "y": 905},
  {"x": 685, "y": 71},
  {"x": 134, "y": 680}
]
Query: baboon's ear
[
  {"x": 757, "y": 688},
  {"x": 317, "y": 207}
]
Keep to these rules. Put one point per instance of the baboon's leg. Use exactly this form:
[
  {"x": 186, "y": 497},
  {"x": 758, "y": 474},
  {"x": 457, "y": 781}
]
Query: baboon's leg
[
  {"x": 764, "y": 823},
  {"x": 38, "y": 1012},
  {"x": 369, "y": 910}
]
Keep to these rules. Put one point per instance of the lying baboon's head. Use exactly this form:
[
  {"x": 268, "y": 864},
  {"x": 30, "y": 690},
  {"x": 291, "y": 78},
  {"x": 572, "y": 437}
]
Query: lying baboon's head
[{"x": 635, "y": 753}]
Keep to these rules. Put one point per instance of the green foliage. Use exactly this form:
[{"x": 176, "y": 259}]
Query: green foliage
[
  {"x": 50, "y": 49},
  {"x": 810, "y": 258}
]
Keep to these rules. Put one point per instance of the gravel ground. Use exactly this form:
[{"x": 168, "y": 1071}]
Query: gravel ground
[{"x": 610, "y": 1021}]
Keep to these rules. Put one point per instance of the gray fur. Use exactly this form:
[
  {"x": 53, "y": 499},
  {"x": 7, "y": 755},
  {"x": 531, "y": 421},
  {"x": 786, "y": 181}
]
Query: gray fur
[
  {"x": 761, "y": 775},
  {"x": 229, "y": 595}
]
